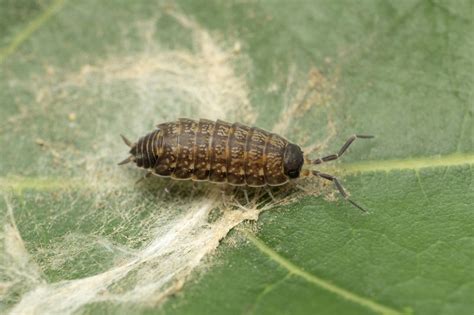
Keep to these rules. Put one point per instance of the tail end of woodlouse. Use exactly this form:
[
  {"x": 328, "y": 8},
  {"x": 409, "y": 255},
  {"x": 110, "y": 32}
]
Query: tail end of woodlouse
[
  {"x": 131, "y": 145},
  {"x": 127, "y": 142},
  {"x": 127, "y": 160}
]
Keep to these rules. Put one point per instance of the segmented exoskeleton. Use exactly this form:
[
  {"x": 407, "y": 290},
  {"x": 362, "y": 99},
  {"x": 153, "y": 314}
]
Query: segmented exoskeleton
[{"x": 221, "y": 152}]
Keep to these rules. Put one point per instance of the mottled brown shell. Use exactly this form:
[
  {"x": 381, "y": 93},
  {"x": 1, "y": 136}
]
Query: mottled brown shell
[{"x": 215, "y": 151}]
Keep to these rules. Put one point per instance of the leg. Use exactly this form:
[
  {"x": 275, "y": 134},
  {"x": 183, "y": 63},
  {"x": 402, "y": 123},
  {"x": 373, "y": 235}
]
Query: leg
[
  {"x": 341, "y": 151},
  {"x": 224, "y": 196},
  {"x": 194, "y": 188},
  {"x": 269, "y": 192},
  {"x": 227, "y": 193},
  {"x": 147, "y": 174},
  {"x": 246, "y": 196},
  {"x": 339, "y": 188}
]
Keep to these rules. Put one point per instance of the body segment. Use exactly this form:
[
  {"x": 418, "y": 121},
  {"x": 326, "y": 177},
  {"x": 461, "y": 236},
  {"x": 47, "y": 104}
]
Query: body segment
[{"x": 217, "y": 151}]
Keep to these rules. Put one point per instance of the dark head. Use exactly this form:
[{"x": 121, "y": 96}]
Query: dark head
[{"x": 293, "y": 161}]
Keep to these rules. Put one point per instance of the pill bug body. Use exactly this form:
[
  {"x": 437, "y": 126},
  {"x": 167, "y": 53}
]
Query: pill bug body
[
  {"x": 217, "y": 151},
  {"x": 221, "y": 152}
]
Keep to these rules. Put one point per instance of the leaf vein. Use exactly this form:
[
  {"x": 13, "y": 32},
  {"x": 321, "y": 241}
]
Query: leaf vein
[
  {"x": 267, "y": 289},
  {"x": 418, "y": 179},
  {"x": 455, "y": 159},
  {"x": 296, "y": 270},
  {"x": 30, "y": 29}
]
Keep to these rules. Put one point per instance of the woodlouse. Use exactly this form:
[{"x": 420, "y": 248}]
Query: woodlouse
[{"x": 221, "y": 152}]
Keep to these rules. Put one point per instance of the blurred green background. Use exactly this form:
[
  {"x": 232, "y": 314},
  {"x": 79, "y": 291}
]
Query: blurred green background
[{"x": 76, "y": 74}]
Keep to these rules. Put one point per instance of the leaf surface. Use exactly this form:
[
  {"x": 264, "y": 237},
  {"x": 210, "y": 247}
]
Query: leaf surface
[{"x": 79, "y": 236}]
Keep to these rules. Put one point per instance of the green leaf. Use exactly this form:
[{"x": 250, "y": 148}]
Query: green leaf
[{"x": 79, "y": 236}]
